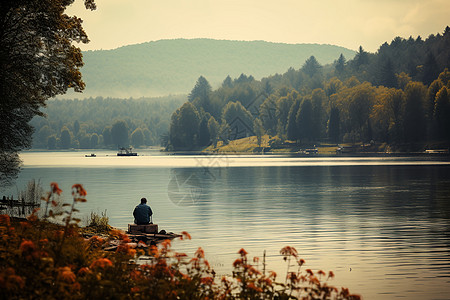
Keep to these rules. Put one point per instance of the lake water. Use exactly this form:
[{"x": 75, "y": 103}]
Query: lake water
[{"x": 381, "y": 224}]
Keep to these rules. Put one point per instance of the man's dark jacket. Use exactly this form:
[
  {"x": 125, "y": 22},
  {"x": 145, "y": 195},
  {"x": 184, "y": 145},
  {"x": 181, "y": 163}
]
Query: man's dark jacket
[{"x": 142, "y": 214}]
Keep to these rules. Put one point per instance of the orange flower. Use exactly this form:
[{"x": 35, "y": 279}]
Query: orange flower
[
  {"x": 301, "y": 262},
  {"x": 242, "y": 252},
  {"x": 83, "y": 271},
  {"x": 207, "y": 280},
  {"x": 166, "y": 244},
  {"x": 195, "y": 262},
  {"x": 237, "y": 262},
  {"x": 101, "y": 263},
  {"x": 314, "y": 280},
  {"x": 289, "y": 251},
  {"x": 135, "y": 274},
  {"x": 252, "y": 286},
  {"x": 135, "y": 289},
  {"x": 272, "y": 274},
  {"x": 27, "y": 246},
  {"x": 207, "y": 264},
  {"x": 321, "y": 273},
  {"x": 96, "y": 241},
  {"x": 309, "y": 272},
  {"x": 66, "y": 274},
  {"x": 78, "y": 189},
  {"x": 185, "y": 235},
  {"x": 200, "y": 253},
  {"x": 266, "y": 281},
  {"x": 55, "y": 188},
  {"x": 331, "y": 274}
]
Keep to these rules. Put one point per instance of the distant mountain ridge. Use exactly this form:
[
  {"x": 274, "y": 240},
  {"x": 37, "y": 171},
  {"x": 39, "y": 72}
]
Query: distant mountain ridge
[{"x": 172, "y": 66}]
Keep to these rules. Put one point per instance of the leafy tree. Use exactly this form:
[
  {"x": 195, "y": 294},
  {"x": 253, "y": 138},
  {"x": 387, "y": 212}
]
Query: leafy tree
[
  {"x": 204, "y": 137},
  {"x": 239, "y": 119},
  {"x": 430, "y": 69},
  {"x": 107, "y": 139},
  {"x": 359, "y": 108},
  {"x": 213, "y": 128},
  {"x": 318, "y": 99},
  {"x": 51, "y": 142},
  {"x": 433, "y": 89},
  {"x": 94, "y": 140},
  {"x": 339, "y": 66},
  {"x": 283, "y": 105},
  {"x": 311, "y": 66},
  {"x": 414, "y": 124},
  {"x": 259, "y": 130},
  {"x": 227, "y": 83},
  {"x": 333, "y": 86},
  {"x": 76, "y": 127},
  {"x": 149, "y": 139},
  {"x": 65, "y": 138},
  {"x": 10, "y": 167},
  {"x": 43, "y": 134},
  {"x": 37, "y": 62},
  {"x": 442, "y": 113},
  {"x": 292, "y": 126},
  {"x": 119, "y": 133},
  {"x": 201, "y": 93},
  {"x": 184, "y": 127},
  {"x": 304, "y": 120},
  {"x": 402, "y": 80},
  {"x": 361, "y": 58},
  {"x": 387, "y": 76},
  {"x": 85, "y": 140},
  {"x": 267, "y": 115},
  {"x": 137, "y": 137},
  {"x": 334, "y": 131}
]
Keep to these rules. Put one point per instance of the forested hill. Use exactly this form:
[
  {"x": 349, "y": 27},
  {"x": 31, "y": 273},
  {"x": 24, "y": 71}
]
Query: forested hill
[{"x": 172, "y": 66}]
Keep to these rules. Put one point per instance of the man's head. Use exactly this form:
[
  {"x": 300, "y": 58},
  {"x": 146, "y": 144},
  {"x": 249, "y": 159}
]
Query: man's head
[{"x": 143, "y": 200}]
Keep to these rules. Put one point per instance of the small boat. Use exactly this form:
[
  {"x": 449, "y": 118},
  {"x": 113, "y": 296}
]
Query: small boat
[
  {"x": 90, "y": 155},
  {"x": 126, "y": 152}
]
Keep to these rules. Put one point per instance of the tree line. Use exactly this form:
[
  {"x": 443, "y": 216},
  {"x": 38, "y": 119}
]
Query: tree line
[
  {"x": 373, "y": 97},
  {"x": 104, "y": 122}
]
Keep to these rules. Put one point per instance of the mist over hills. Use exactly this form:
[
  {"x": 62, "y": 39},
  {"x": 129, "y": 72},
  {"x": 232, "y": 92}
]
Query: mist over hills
[{"x": 172, "y": 66}]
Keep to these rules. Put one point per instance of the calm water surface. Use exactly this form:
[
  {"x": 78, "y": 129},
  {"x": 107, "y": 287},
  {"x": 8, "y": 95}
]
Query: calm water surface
[{"x": 381, "y": 224}]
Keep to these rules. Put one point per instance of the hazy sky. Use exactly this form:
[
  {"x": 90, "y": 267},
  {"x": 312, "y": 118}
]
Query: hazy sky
[{"x": 349, "y": 23}]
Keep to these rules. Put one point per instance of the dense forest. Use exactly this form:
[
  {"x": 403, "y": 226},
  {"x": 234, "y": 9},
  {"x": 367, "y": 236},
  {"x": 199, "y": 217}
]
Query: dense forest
[
  {"x": 104, "y": 122},
  {"x": 172, "y": 66},
  {"x": 398, "y": 96}
]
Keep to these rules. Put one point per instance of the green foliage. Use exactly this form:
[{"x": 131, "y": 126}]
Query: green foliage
[
  {"x": 38, "y": 61},
  {"x": 94, "y": 119},
  {"x": 98, "y": 223},
  {"x": 119, "y": 133},
  {"x": 137, "y": 137},
  {"x": 213, "y": 128},
  {"x": 184, "y": 127}
]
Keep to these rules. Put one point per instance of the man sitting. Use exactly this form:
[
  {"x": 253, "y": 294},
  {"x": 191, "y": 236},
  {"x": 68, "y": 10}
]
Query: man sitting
[{"x": 142, "y": 213}]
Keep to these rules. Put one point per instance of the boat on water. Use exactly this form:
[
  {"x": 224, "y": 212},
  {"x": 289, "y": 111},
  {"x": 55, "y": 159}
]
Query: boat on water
[
  {"x": 90, "y": 155},
  {"x": 126, "y": 152}
]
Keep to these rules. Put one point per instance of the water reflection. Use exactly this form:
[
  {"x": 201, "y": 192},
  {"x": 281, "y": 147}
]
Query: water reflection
[
  {"x": 385, "y": 219},
  {"x": 389, "y": 224}
]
